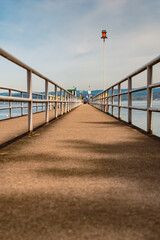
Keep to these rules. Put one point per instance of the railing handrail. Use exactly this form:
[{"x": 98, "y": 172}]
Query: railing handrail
[
  {"x": 22, "y": 91},
  {"x": 133, "y": 74},
  {"x": 67, "y": 99},
  {"x": 103, "y": 102},
  {"x": 11, "y": 58}
]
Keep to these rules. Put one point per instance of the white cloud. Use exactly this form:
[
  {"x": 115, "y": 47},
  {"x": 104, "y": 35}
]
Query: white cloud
[{"x": 61, "y": 39}]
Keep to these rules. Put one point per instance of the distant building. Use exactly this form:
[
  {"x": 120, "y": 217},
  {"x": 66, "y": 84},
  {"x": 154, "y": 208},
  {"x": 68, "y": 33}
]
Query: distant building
[{"x": 73, "y": 91}]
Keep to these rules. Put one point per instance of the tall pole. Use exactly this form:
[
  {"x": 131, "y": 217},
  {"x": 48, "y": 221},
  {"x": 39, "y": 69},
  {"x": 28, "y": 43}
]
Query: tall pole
[
  {"x": 104, "y": 64},
  {"x": 104, "y": 36}
]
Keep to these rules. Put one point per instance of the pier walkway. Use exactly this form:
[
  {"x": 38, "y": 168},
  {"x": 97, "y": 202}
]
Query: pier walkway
[{"x": 83, "y": 176}]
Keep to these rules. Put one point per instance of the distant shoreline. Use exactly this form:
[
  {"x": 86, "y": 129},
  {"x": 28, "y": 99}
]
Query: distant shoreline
[{"x": 137, "y": 96}]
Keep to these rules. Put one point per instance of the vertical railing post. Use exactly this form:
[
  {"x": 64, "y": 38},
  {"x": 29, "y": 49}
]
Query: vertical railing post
[
  {"x": 101, "y": 101},
  {"x": 73, "y": 99},
  {"x": 112, "y": 101},
  {"x": 107, "y": 108},
  {"x": 43, "y": 104},
  {"x": 75, "y": 102},
  {"x": 65, "y": 104},
  {"x": 52, "y": 104},
  {"x": 105, "y": 101},
  {"x": 149, "y": 99},
  {"x": 49, "y": 97},
  {"x": 61, "y": 104},
  {"x": 29, "y": 91},
  {"x": 98, "y": 98},
  {"x": 119, "y": 101},
  {"x": 129, "y": 100},
  {"x": 10, "y": 105},
  {"x": 21, "y": 104},
  {"x": 56, "y": 110},
  {"x": 37, "y": 104},
  {"x": 98, "y": 101},
  {"x": 47, "y": 103},
  {"x": 69, "y": 102}
]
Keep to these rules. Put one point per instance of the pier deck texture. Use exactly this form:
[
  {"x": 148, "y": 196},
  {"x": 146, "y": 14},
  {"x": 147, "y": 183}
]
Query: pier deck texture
[{"x": 83, "y": 176}]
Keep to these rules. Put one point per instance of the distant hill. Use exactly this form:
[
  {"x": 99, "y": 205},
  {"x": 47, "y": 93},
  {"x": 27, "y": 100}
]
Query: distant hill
[{"x": 141, "y": 95}]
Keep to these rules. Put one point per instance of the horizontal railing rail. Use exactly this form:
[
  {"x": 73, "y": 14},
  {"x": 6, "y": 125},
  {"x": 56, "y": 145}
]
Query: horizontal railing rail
[
  {"x": 66, "y": 101},
  {"x": 8, "y": 93},
  {"x": 106, "y": 98}
]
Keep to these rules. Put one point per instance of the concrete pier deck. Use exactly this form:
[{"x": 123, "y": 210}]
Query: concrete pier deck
[
  {"x": 12, "y": 128},
  {"x": 83, "y": 176}
]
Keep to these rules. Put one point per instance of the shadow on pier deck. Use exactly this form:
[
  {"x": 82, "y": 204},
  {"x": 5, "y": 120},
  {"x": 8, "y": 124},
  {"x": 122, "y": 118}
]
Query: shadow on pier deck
[{"x": 85, "y": 176}]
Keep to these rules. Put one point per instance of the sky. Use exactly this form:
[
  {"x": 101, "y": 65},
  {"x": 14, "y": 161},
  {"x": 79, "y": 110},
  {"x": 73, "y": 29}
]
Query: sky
[{"x": 62, "y": 40}]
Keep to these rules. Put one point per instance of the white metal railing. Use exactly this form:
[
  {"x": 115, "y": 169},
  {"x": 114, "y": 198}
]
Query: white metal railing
[
  {"x": 10, "y": 91},
  {"x": 66, "y": 101},
  {"x": 102, "y": 100}
]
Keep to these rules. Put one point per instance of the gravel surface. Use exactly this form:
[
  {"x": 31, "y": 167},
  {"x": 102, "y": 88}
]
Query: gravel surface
[{"x": 83, "y": 176}]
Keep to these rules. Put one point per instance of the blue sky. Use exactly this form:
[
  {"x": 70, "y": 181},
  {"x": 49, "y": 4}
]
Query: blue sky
[{"x": 61, "y": 39}]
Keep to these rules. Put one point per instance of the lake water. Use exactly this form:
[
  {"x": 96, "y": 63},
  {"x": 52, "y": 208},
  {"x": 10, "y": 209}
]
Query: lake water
[
  {"x": 139, "y": 118},
  {"x": 4, "y": 114}
]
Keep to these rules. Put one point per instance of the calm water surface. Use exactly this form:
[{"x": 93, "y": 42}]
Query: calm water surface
[{"x": 139, "y": 118}]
